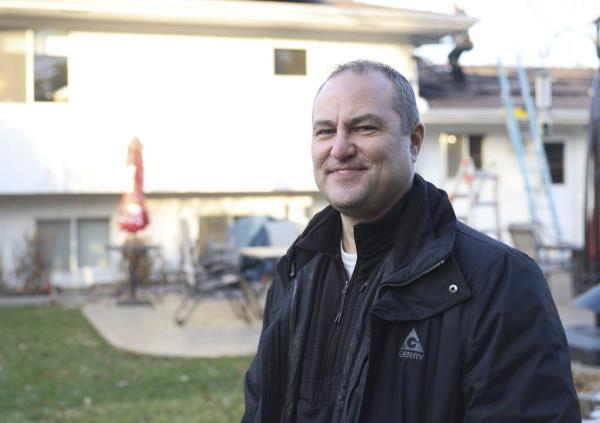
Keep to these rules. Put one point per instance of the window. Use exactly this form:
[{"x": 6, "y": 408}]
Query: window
[
  {"x": 48, "y": 53},
  {"x": 54, "y": 237},
  {"x": 92, "y": 239},
  {"x": 81, "y": 242},
  {"x": 458, "y": 147},
  {"x": 13, "y": 64},
  {"x": 215, "y": 229},
  {"x": 290, "y": 62},
  {"x": 455, "y": 147},
  {"x": 555, "y": 156},
  {"x": 475, "y": 150},
  {"x": 50, "y": 67}
]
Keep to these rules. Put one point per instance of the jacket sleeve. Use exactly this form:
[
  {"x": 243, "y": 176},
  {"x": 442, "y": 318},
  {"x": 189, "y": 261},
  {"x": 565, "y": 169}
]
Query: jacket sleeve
[
  {"x": 253, "y": 379},
  {"x": 517, "y": 366}
]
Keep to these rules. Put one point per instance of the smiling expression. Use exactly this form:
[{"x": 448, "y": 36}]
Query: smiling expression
[{"x": 361, "y": 160}]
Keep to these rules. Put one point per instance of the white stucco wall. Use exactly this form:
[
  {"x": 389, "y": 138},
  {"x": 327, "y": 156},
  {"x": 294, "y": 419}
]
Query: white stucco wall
[
  {"x": 18, "y": 216},
  {"x": 209, "y": 111},
  {"x": 498, "y": 156}
]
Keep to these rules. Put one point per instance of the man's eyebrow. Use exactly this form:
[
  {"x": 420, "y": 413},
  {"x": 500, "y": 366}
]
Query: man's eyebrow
[
  {"x": 362, "y": 118},
  {"x": 323, "y": 122}
]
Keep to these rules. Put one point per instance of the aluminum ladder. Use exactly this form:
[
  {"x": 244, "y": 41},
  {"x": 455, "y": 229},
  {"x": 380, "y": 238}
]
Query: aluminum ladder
[{"x": 540, "y": 191}]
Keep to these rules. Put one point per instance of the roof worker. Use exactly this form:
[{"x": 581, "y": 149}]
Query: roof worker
[{"x": 386, "y": 308}]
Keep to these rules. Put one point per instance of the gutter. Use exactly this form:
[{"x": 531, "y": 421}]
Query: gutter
[{"x": 246, "y": 14}]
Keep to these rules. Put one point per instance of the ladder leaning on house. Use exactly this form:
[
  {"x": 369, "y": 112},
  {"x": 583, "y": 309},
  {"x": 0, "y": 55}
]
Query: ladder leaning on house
[
  {"x": 531, "y": 159},
  {"x": 475, "y": 190}
]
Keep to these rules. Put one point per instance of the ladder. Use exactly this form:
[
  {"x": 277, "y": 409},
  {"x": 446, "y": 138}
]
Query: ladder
[
  {"x": 472, "y": 194},
  {"x": 537, "y": 183}
]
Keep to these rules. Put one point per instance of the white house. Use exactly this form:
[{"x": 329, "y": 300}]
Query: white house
[
  {"x": 219, "y": 93},
  {"x": 471, "y": 113}
]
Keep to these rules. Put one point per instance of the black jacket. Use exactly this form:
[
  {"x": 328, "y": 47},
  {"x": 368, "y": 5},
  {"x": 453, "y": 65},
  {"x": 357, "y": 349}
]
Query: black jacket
[{"x": 457, "y": 328}]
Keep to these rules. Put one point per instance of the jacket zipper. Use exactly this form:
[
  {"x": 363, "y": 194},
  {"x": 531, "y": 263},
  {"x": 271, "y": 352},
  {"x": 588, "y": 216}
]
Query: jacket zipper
[
  {"x": 292, "y": 323},
  {"x": 336, "y": 334},
  {"x": 358, "y": 363},
  {"x": 338, "y": 317},
  {"x": 293, "y": 305}
]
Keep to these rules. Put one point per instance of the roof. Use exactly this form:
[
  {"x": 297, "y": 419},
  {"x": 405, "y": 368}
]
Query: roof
[
  {"x": 347, "y": 17},
  {"x": 571, "y": 88}
]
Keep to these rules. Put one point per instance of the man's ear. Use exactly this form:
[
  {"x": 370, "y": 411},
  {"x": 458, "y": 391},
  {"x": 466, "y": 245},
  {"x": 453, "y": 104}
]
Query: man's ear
[{"x": 416, "y": 140}]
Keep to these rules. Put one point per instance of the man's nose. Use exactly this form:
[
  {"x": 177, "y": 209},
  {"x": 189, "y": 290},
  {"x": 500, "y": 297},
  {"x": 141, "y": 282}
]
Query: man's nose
[{"x": 343, "y": 147}]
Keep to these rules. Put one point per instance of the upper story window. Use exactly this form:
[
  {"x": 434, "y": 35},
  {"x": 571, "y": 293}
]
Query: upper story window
[
  {"x": 50, "y": 70},
  {"x": 290, "y": 61},
  {"x": 33, "y": 66}
]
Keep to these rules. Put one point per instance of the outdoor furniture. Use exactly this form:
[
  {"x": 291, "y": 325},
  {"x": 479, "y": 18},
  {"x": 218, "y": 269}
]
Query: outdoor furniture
[
  {"x": 217, "y": 278},
  {"x": 214, "y": 274},
  {"x": 133, "y": 254},
  {"x": 552, "y": 258},
  {"x": 263, "y": 252}
]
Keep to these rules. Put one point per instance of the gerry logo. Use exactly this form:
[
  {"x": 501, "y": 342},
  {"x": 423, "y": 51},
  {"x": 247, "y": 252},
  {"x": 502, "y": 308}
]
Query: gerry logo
[{"x": 411, "y": 347}]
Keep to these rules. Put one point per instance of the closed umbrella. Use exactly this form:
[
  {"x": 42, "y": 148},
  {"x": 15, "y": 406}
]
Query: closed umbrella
[{"x": 132, "y": 215}]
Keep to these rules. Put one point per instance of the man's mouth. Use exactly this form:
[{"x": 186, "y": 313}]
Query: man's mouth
[{"x": 345, "y": 170}]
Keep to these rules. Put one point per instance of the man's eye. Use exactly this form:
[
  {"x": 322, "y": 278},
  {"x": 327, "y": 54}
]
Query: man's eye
[
  {"x": 324, "y": 132},
  {"x": 365, "y": 129}
]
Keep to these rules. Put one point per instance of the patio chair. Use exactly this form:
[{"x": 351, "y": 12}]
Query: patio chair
[
  {"x": 552, "y": 258},
  {"x": 213, "y": 276}
]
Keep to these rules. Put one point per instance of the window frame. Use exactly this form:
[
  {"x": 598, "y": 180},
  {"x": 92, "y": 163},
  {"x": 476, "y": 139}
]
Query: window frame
[
  {"x": 74, "y": 265},
  {"x": 279, "y": 68}
]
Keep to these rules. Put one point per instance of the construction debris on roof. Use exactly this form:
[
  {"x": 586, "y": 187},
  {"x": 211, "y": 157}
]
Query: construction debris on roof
[{"x": 571, "y": 88}]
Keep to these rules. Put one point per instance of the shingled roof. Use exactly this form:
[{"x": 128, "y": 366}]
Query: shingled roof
[{"x": 571, "y": 88}]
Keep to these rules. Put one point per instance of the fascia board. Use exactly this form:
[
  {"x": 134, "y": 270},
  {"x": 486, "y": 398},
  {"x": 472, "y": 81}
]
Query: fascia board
[
  {"x": 362, "y": 19},
  {"x": 465, "y": 116}
]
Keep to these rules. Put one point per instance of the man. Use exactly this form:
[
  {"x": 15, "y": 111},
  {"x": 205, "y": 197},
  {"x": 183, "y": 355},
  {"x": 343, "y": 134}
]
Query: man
[{"x": 386, "y": 309}]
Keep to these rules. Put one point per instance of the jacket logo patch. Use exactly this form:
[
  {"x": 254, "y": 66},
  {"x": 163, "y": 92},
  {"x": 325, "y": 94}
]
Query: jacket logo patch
[{"x": 411, "y": 347}]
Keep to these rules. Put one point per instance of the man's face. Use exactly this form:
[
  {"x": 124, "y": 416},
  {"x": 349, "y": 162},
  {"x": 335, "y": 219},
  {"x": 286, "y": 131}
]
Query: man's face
[{"x": 362, "y": 163}]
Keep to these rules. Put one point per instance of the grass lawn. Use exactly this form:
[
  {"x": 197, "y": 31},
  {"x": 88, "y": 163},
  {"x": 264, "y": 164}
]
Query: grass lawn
[{"x": 55, "y": 368}]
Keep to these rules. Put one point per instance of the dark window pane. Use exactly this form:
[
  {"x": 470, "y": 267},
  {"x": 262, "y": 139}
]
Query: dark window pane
[
  {"x": 475, "y": 150},
  {"x": 555, "y": 156},
  {"x": 50, "y": 74},
  {"x": 290, "y": 62},
  {"x": 54, "y": 236}
]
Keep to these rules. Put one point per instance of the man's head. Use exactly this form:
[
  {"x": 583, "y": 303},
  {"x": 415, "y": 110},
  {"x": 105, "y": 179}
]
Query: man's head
[{"x": 366, "y": 138}]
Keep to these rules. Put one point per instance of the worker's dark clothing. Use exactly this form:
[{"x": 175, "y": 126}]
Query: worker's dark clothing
[{"x": 438, "y": 323}]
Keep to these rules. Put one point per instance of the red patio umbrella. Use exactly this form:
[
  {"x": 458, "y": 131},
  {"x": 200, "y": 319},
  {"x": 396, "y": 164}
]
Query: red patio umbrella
[{"x": 132, "y": 215}]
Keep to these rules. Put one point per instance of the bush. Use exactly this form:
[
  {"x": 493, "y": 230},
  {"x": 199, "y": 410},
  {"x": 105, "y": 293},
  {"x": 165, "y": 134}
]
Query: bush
[{"x": 31, "y": 270}]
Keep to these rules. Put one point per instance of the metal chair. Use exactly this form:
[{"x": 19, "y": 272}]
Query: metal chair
[
  {"x": 552, "y": 258},
  {"x": 211, "y": 275}
]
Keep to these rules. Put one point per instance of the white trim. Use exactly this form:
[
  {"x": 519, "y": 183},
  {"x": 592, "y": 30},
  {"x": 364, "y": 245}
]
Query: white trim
[
  {"x": 257, "y": 14},
  {"x": 29, "y": 66},
  {"x": 468, "y": 116}
]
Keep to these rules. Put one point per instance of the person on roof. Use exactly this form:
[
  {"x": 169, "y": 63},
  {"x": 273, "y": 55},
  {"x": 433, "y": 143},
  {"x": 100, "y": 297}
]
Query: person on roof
[
  {"x": 386, "y": 308},
  {"x": 462, "y": 43}
]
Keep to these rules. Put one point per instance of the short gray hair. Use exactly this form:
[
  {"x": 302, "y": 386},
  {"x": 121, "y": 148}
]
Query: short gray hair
[{"x": 404, "y": 97}]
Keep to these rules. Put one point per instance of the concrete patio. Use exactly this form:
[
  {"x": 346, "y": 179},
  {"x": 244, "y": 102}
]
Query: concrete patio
[{"x": 213, "y": 330}]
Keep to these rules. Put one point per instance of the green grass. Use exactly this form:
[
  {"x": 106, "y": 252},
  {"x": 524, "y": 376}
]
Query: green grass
[{"x": 55, "y": 368}]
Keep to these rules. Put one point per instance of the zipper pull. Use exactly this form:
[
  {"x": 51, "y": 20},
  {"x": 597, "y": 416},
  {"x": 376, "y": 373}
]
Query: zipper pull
[
  {"x": 338, "y": 317},
  {"x": 345, "y": 288}
]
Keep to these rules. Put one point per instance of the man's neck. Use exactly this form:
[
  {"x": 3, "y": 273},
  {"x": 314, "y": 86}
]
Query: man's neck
[{"x": 348, "y": 243}]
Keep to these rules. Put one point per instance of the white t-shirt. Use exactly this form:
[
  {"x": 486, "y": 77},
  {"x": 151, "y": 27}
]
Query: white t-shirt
[{"x": 349, "y": 261}]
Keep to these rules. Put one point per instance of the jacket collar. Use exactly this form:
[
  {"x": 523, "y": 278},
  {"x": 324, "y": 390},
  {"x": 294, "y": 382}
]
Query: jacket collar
[{"x": 420, "y": 226}]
